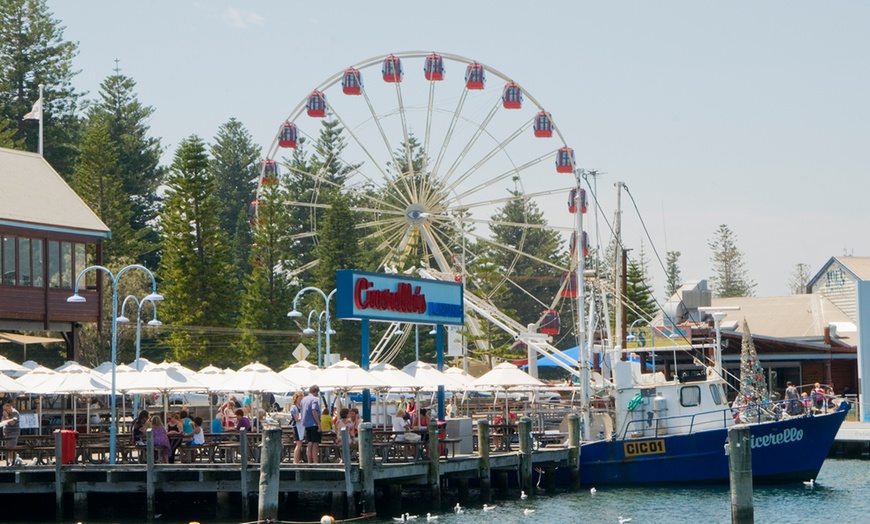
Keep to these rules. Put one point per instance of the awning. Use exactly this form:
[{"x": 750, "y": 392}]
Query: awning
[{"x": 24, "y": 340}]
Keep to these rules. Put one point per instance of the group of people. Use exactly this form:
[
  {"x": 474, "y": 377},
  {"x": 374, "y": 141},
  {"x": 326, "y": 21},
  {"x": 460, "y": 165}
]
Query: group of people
[
  {"x": 179, "y": 430},
  {"x": 311, "y": 421},
  {"x": 815, "y": 400}
]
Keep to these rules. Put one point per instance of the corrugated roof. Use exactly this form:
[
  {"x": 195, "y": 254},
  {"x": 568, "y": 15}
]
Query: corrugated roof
[
  {"x": 860, "y": 266},
  {"x": 33, "y": 195},
  {"x": 793, "y": 316}
]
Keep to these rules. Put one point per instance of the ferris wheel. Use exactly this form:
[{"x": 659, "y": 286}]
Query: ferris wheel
[{"x": 437, "y": 145}]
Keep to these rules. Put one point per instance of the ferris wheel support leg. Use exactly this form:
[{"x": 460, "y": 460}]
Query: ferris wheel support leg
[
  {"x": 366, "y": 399},
  {"x": 439, "y": 360}
]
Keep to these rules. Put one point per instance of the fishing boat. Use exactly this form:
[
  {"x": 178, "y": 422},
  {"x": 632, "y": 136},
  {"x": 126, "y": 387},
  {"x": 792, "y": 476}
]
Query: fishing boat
[{"x": 646, "y": 428}]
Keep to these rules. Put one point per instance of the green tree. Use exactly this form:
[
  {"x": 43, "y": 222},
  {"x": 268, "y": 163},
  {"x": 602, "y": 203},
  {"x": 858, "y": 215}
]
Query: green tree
[
  {"x": 34, "y": 52},
  {"x": 235, "y": 164},
  {"x": 638, "y": 293},
  {"x": 730, "y": 278},
  {"x": 7, "y": 136},
  {"x": 126, "y": 120},
  {"x": 198, "y": 279},
  {"x": 673, "y": 279},
  {"x": 96, "y": 181}
]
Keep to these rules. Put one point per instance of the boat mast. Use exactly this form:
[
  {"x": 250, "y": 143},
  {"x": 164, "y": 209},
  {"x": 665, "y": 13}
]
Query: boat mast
[
  {"x": 584, "y": 353},
  {"x": 617, "y": 269}
]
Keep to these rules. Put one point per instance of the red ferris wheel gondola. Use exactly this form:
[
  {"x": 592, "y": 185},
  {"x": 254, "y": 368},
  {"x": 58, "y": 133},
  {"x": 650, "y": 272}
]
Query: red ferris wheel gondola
[
  {"x": 565, "y": 160},
  {"x": 392, "y": 69},
  {"x": 573, "y": 200},
  {"x": 351, "y": 83},
  {"x": 549, "y": 322},
  {"x": 512, "y": 97},
  {"x": 572, "y": 244},
  {"x": 270, "y": 171},
  {"x": 252, "y": 212},
  {"x": 316, "y": 105},
  {"x": 543, "y": 125},
  {"x": 288, "y": 136},
  {"x": 434, "y": 68},
  {"x": 474, "y": 76},
  {"x": 569, "y": 285}
]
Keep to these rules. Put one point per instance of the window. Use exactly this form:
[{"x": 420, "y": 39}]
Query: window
[
  {"x": 38, "y": 262},
  {"x": 690, "y": 396},
  {"x": 66, "y": 266},
  {"x": 53, "y": 263},
  {"x": 80, "y": 261},
  {"x": 8, "y": 261},
  {"x": 716, "y": 392},
  {"x": 23, "y": 261}
]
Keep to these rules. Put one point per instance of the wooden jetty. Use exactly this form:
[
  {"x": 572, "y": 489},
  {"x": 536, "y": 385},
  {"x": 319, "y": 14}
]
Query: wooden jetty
[{"x": 427, "y": 465}]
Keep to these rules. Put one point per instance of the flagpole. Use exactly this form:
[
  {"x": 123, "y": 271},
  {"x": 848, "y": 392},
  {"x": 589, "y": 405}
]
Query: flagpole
[{"x": 40, "y": 118}]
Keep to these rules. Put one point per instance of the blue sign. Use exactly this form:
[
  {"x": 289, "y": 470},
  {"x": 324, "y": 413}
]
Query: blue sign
[{"x": 398, "y": 298}]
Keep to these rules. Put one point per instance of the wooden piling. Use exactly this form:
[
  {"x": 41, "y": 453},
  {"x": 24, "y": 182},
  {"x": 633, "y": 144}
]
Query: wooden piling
[
  {"x": 367, "y": 465},
  {"x": 740, "y": 463},
  {"x": 524, "y": 426},
  {"x": 58, "y": 475},
  {"x": 346, "y": 458},
  {"x": 243, "y": 477},
  {"x": 270, "y": 475},
  {"x": 149, "y": 474},
  {"x": 574, "y": 449},
  {"x": 483, "y": 453}
]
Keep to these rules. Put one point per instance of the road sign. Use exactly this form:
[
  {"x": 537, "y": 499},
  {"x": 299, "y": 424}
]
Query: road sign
[{"x": 301, "y": 352}]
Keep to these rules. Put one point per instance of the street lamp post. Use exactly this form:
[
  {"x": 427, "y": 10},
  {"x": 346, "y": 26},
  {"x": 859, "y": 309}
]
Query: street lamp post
[
  {"x": 308, "y": 331},
  {"x": 324, "y": 313},
  {"x": 153, "y": 297},
  {"x": 153, "y": 322}
]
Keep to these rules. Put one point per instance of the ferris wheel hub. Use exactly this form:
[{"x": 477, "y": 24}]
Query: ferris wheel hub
[{"x": 416, "y": 214}]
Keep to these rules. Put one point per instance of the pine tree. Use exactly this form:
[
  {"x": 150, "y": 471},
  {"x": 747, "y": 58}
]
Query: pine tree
[
  {"x": 198, "y": 278},
  {"x": 126, "y": 120},
  {"x": 730, "y": 277},
  {"x": 235, "y": 164},
  {"x": 638, "y": 294},
  {"x": 672, "y": 275},
  {"x": 34, "y": 52},
  {"x": 753, "y": 385},
  {"x": 96, "y": 181}
]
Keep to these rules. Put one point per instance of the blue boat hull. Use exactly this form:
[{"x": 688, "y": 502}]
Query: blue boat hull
[{"x": 783, "y": 451}]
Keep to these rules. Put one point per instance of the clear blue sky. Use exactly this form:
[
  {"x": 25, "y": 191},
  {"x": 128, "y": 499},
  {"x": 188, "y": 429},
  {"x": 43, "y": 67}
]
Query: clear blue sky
[{"x": 749, "y": 114}]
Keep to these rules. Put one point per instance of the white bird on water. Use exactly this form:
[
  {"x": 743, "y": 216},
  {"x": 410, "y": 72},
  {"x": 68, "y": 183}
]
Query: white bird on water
[
  {"x": 410, "y": 517},
  {"x": 810, "y": 483},
  {"x": 488, "y": 508},
  {"x": 400, "y": 518},
  {"x": 528, "y": 511},
  {"x": 593, "y": 491},
  {"x": 623, "y": 520},
  {"x": 458, "y": 509},
  {"x": 430, "y": 517},
  {"x": 523, "y": 495}
]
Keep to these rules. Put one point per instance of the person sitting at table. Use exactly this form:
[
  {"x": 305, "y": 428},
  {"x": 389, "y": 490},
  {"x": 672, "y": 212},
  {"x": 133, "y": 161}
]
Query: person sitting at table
[
  {"x": 344, "y": 422},
  {"x": 139, "y": 427},
  {"x": 196, "y": 436},
  {"x": 217, "y": 426},
  {"x": 186, "y": 423},
  {"x": 500, "y": 429},
  {"x": 242, "y": 422},
  {"x": 175, "y": 431},
  {"x": 421, "y": 421},
  {"x": 411, "y": 410},
  {"x": 161, "y": 439},
  {"x": 400, "y": 425},
  {"x": 258, "y": 421},
  {"x": 325, "y": 421}
]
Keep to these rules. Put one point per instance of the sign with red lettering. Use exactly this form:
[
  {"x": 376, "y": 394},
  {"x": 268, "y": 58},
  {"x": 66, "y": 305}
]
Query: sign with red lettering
[{"x": 387, "y": 297}]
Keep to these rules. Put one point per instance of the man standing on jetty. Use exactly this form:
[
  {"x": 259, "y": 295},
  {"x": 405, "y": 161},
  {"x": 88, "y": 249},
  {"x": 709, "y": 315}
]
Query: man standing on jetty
[{"x": 311, "y": 422}]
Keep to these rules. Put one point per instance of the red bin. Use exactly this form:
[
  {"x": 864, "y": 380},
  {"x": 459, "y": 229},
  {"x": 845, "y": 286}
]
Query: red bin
[{"x": 68, "y": 446}]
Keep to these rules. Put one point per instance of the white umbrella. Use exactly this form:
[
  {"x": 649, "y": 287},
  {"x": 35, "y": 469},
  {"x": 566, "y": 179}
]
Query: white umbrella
[
  {"x": 175, "y": 365},
  {"x": 346, "y": 375},
  {"x": 303, "y": 373},
  {"x": 142, "y": 364},
  {"x": 394, "y": 377},
  {"x": 9, "y": 385},
  {"x": 430, "y": 378},
  {"x": 459, "y": 375},
  {"x": 257, "y": 378},
  {"x": 213, "y": 377},
  {"x": 72, "y": 379},
  {"x": 163, "y": 381},
  {"x": 507, "y": 376},
  {"x": 33, "y": 376},
  {"x": 8, "y": 365}
]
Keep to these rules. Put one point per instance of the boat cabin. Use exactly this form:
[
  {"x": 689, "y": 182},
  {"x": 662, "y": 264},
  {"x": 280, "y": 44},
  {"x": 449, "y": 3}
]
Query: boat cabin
[
  {"x": 434, "y": 68},
  {"x": 392, "y": 69},
  {"x": 549, "y": 324},
  {"x": 543, "y": 125},
  {"x": 565, "y": 160},
  {"x": 573, "y": 200},
  {"x": 351, "y": 83},
  {"x": 474, "y": 76},
  {"x": 288, "y": 136},
  {"x": 316, "y": 105},
  {"x": 512, "y": 96}
]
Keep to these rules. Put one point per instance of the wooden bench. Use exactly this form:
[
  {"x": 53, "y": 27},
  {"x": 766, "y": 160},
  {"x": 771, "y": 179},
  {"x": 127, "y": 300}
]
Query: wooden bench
[{"x": 443, "y": 444}]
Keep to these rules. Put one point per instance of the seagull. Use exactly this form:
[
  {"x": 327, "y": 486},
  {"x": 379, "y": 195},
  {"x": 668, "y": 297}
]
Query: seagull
[
  {"x": 809, "y": 483},
  {"x": 623, "y": 520},
  {"x": 458, "y": 509},
  {"x": 523, "y": 495},
  {"x": 410, "y": 517},
  {"x": 401, "y": 518},
  {"x": 528, "y": 511},
  {"x": 488, "y": 508},
  {"x": 593, "y": 491},
  {"x": 271, "y": 422},
  {"x": 18, "y": 461},
  {"x": 430, "y": 517},
  {"x": 32, "y": 462}
]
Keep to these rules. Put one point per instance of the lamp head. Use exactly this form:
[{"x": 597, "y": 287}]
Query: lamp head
[
  {"x": 155, "y": 323},
  {"x": 294, "y": 314},
  {"x": 434, "y": 331},
  {"x": 308, "y": 331},
  {"x": 398, "y": 332},
  {"x": 153, "y": 297},
  {"x": 330, "y": 332},
  {"x": 76, "y": 298},
  {"x": 123, "y": 320}
]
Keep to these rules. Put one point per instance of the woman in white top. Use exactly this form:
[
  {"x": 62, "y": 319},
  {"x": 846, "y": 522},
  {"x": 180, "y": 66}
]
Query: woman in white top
[{"x": 400, "y": 425}]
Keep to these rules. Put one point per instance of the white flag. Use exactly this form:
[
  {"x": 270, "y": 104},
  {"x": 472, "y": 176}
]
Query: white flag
[{"x": 36, "y": 112}]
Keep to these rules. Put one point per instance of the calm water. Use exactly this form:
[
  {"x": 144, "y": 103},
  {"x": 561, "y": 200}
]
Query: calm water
[{"x": 841, "y": 495}]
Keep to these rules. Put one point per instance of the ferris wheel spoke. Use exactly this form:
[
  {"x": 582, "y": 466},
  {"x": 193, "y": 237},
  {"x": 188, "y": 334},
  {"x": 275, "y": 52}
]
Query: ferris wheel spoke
[
  {"x": 427, "y": 136},
  {"x": 499, "y": 178},
  {"x": 431, "y": 241},
  {"x": 450, "y": 129},
  {"x": 481, "y": 129},
  {"x": 500, "y": 147},
  {"x": 409, "y": 174},
  {"x": 509, "y": 198},
  {"x": 517, "y": 251},
  {"x": 522, "y": 225},
  {"x": 390, "y": 151}
]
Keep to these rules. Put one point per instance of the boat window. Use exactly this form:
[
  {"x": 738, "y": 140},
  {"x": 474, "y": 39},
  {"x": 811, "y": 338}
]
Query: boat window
[
  {"x": 690, "y": 396},
  {"x": 717, "y": 394}
]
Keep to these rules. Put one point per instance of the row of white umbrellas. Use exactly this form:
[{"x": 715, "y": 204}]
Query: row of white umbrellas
[{"x": 342, "y": 376}]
